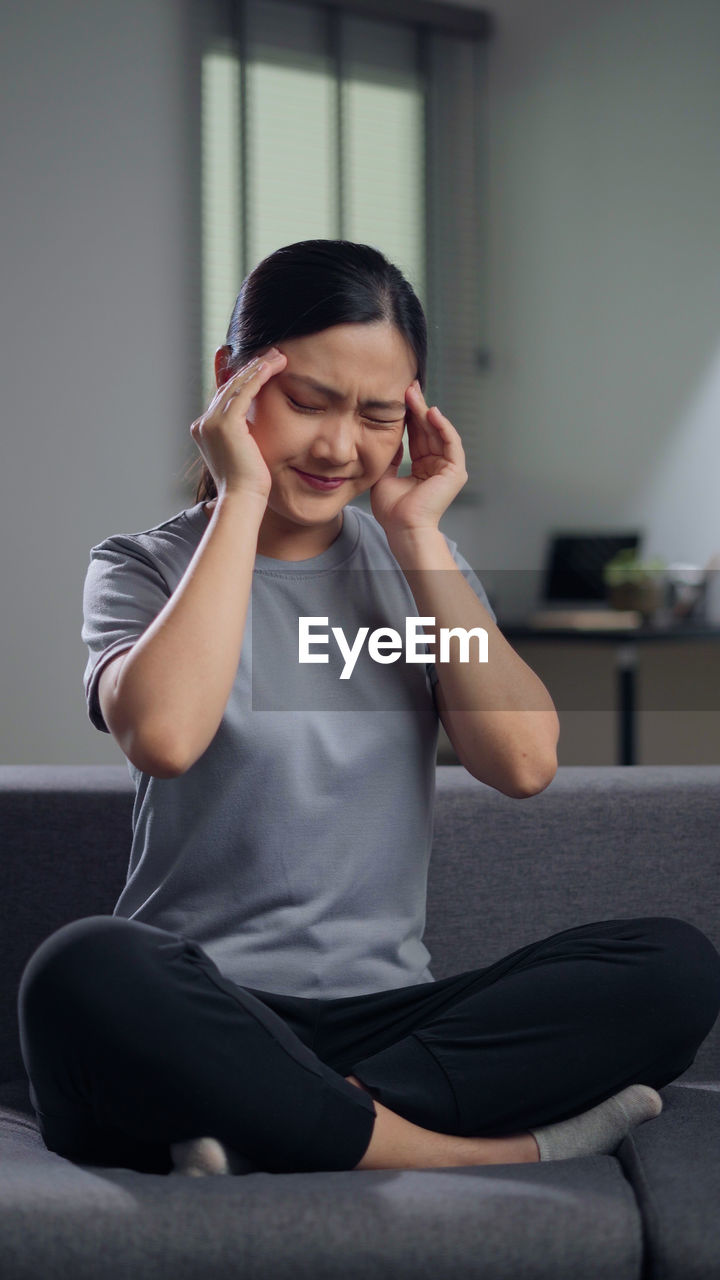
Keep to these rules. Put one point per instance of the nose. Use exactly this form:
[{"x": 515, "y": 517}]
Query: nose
[{"x": 335, "y": 440}]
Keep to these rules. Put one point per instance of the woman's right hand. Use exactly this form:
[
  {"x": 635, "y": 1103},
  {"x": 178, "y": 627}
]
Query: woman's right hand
[{"x": 222, "y": 434}]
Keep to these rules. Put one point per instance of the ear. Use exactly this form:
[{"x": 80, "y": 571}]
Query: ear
[{"x": 222, "y": 365}]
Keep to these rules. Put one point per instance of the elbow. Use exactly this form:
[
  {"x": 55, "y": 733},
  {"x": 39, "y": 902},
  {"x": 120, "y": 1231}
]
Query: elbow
[
  {"x": 534, "y": 777},
  {"x": 148, "y": 744},
  {"x": 516, "y": 772},
  {"x": 531, "y": 784},
  {"x": 148, "y": 759},
  {"x": 163, "y": 770},
  {"x": 518, "y": 783}
]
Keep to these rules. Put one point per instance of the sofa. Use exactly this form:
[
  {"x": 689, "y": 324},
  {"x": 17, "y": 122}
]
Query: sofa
[{"x": 598, "y": 843}]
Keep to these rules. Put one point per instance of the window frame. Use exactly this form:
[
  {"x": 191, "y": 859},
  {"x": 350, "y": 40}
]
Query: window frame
[{"x": 458, "y": 356}]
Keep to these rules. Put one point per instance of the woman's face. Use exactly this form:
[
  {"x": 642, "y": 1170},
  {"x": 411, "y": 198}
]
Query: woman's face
[{"x": 335, "y": 432}]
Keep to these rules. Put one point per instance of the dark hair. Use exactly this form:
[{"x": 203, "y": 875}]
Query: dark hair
[{"x": 312, "y": 285}]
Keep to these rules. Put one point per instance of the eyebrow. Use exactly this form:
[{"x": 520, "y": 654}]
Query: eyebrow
[{"x": 338, "y": 395}]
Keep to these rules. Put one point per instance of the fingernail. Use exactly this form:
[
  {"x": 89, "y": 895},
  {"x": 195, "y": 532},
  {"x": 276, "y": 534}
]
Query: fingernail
[{"x": 273, "y": 352}]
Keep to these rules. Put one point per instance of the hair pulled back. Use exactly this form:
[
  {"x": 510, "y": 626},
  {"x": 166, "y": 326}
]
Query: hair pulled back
[{"x": 312, "y": 285}]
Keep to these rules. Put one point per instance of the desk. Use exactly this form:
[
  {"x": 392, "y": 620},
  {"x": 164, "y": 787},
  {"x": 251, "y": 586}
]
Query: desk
[{"x": 625, "y": 643}]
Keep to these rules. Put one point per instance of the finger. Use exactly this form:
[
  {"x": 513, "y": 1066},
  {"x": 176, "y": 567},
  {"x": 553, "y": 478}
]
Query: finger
[
  {"x": 248, "y": 380},
  {"x": 246, "y": 383},
  {"x": 226, "y": 392},
  {"x": 417, "y": 399},
  {"x": 442, "y": 424},
  {"x": 261, "y": 366},
  {"x": 431, "y": 415},
  {"x": 435, "y": 436},
  {"x": 423, "y": 438},
  {"x": 452, "y": 443},
  {"x": 418, "y": 404}
]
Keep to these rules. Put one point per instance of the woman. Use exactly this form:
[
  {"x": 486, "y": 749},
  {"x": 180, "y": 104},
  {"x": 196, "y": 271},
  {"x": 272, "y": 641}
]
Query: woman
[{"x": 260, "y": 996}]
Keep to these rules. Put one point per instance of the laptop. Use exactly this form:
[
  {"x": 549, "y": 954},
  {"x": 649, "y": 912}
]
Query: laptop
[{"x": 573, "y": 588}]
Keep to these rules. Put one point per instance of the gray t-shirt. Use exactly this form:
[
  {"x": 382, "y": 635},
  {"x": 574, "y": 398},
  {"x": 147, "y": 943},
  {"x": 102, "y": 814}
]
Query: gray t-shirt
[{"x": 295, "y": 850}]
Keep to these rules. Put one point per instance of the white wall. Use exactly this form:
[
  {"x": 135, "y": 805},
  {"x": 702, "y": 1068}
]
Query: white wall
[
  {"x": 96, "y": 361},
  {"x": 603, "y": 307},
  {"x": 602, "y": 302}
]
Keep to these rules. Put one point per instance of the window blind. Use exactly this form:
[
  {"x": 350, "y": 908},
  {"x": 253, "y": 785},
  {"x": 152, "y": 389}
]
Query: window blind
[{"x": 324, "y": 121}]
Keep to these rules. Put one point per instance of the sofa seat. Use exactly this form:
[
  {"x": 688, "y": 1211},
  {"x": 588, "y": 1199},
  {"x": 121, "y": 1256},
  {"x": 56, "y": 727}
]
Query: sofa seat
[
  {"x": 569, "y": 1219},
  {"x": 599, "y": 843},
  {"x": 674, "y": 1170},
  {"x": 581, "y": 1219}
]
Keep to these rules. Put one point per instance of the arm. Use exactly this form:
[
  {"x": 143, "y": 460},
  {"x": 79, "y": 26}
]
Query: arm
[
  {"x": 173, "y": 685},
  {"x": 498, "y": 715}
]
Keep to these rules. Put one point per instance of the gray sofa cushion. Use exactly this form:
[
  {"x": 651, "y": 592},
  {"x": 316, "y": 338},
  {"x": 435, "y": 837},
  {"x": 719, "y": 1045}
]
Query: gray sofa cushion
[
  {"x": 569, "y": 1220},
  {"x": 674, "y": 1169},
  {"x": 598, "y": 843}
]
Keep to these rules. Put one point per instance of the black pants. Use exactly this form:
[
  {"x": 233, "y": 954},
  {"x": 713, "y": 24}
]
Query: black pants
[{"x": 133, "y": 1039}]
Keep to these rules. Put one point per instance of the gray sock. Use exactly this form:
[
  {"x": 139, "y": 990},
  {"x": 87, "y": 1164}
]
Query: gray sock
[
  {"x": 601, "y": 1129},
  {"x": 200, "y": 1157}
]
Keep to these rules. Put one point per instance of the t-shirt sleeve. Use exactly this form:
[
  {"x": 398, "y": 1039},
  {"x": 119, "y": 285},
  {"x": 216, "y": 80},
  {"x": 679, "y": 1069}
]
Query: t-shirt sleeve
[
  {"x": 470, "y": 576},
  {"x": 124, "y": 590}
]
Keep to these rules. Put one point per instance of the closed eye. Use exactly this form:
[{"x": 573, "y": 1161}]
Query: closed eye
[{"x": 306, "y": 408}]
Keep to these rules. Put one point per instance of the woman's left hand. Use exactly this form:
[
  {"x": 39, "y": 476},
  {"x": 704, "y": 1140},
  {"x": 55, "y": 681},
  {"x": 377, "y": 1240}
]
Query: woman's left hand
[{"x": 417, "y": 501}]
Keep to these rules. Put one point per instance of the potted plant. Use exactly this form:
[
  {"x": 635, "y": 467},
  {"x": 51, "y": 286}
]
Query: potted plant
[{"x": 632, "y": 583}]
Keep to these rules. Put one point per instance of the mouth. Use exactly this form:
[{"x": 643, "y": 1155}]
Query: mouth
[{"x": 322, "y": 483}]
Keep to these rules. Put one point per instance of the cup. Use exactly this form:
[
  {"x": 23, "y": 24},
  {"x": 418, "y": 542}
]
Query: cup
[{"x": 686, "y": 592}]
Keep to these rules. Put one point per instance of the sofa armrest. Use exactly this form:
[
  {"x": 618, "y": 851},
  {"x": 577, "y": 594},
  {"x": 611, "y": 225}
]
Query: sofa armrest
[{"x": 601, "y": 842}]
